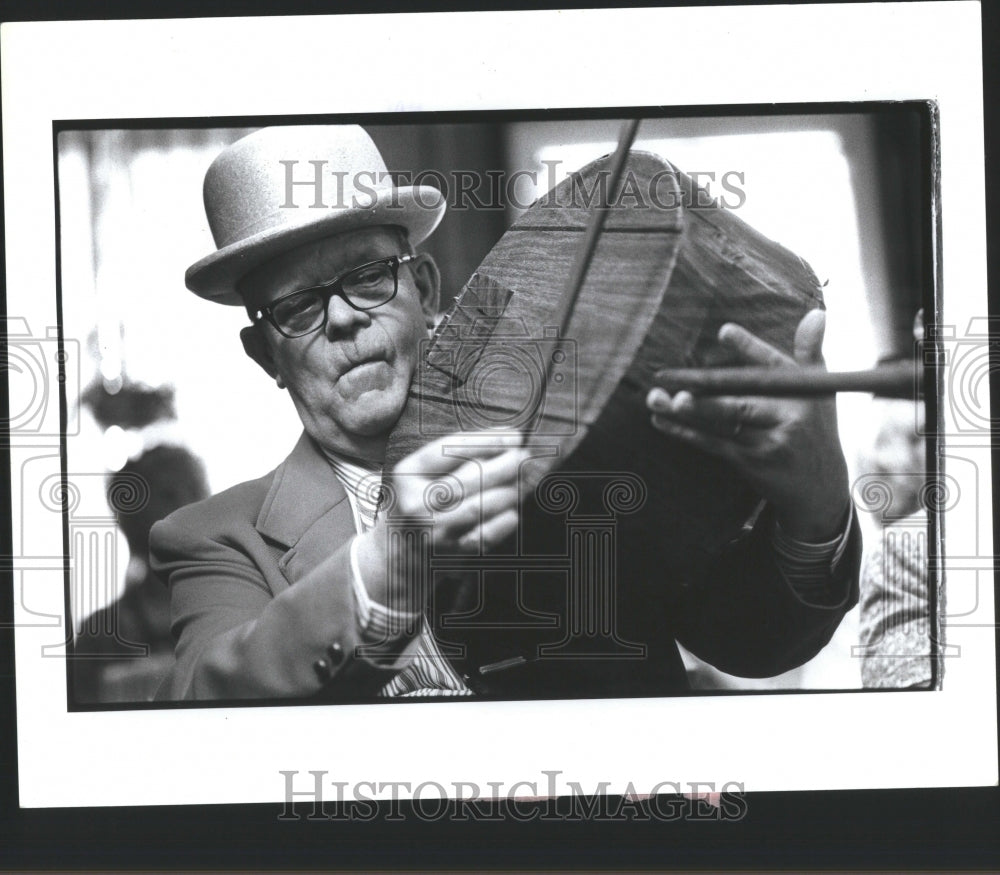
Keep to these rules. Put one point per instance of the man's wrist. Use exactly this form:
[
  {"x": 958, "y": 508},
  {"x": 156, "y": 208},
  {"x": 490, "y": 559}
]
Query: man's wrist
[
  {"x": 369, "y": 553},
  {"x": 385, "y": 586},
  {"x": 810, "y": 568},
  {"x": 377, "y": 623}
]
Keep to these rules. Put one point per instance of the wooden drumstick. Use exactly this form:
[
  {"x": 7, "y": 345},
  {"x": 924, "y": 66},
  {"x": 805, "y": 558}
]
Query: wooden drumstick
[{"x": 897, "y": 379}]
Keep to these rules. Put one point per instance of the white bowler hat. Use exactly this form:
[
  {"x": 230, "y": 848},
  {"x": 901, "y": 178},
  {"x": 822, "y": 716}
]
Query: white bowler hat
[{"x": 261, "y": 194}]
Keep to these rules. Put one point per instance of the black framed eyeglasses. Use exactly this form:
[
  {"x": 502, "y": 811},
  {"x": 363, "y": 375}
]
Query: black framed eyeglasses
[{"x": 364, "y": 288}]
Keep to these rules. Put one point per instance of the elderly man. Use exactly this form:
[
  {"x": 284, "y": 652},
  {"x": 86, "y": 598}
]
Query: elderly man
[{"x": 277, "y": 583}]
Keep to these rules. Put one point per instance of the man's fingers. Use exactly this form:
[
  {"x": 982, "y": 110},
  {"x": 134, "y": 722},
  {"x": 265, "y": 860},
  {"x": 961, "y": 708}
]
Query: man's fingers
[
  {"x": 750, "y": 347},
  {"x": 725, "y": 415},
  {"x": 476, "y": 511},
  {"x": 477, "y": 463},
  {"x": 809, "y": 338},
  {"x": 481, "y": 474},
  {"x": 442, "y": 493},
  {"x": 808, "y": 346},
  {"x": 447, "y": 453},
  {"x": 723, "y": 447},
  {"x": 491, "y": 532}
]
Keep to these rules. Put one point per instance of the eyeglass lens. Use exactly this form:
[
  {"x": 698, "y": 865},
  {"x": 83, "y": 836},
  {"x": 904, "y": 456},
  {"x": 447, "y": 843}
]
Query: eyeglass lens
[{"x": 365, "y": 288}]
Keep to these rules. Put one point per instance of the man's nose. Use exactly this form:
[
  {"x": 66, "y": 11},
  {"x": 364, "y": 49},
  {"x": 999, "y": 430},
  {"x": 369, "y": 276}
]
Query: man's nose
[{"x": 342, "y": 318}]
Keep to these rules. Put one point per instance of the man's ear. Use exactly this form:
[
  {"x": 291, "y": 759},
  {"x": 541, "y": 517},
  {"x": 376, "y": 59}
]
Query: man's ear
[
  {"x": 428, "y": 278},
  {"x": 256, "y": 346}
]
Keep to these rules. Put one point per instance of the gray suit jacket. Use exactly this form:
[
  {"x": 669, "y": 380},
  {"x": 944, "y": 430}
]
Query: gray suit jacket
[
  {"x": 242, "y": 629},
  {"x": 262, "y": 603}
]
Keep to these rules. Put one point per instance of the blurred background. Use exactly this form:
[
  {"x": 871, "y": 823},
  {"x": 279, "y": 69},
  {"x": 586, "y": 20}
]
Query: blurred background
[{"x": 163, "y": 371}]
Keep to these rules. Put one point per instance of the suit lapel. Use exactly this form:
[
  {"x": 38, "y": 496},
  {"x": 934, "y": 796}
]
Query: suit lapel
[{"x": 306, "y": 510}]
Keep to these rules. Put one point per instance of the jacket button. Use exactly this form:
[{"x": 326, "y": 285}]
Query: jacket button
[
  {"x": 336, "y": 654},
  {"x": 322, "y": 669}
]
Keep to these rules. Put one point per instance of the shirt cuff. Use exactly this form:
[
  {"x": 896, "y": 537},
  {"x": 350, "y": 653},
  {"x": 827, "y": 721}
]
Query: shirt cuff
[
  {"x": 379, "y": 626},
  {"x": 809, "y": 568}
]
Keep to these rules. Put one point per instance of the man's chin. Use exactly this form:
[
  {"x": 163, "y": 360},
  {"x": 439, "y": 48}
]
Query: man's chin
[{"x": 379, "y": 411}]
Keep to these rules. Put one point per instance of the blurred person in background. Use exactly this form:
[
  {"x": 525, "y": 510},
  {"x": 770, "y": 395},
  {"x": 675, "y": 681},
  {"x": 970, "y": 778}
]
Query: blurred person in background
[
  {"x": 122, "y": 652},
  {"x": 897, "y": 627}
]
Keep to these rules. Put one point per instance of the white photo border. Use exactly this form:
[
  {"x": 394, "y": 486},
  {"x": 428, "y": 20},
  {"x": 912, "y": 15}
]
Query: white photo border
[{"x": 430, "y": 62}]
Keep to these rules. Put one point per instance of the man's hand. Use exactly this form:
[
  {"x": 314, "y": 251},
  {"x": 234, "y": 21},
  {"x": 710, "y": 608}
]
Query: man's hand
[
  {"x": 465, "y": 484},
  {"x": 787, "y": 448}
]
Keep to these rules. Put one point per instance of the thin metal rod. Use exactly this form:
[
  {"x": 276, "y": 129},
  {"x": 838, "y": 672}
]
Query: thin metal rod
[
  {"x": 585, "y": 254},
  {"x": 899, "y": 379}
]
